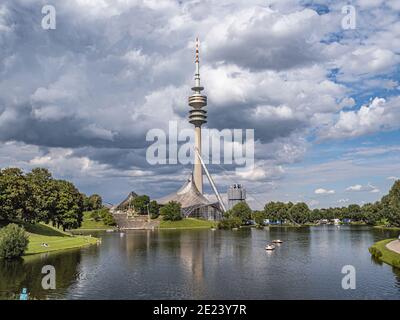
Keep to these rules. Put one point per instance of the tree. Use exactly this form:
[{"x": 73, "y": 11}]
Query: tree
[
  {"x": 13, "y": 241},
  {"x": 43, "y": 195},
  {"x": 95, "y": 202},
  {"x": 140, "y": 204},
  {"x": 14, "y": 196},
  {"x": 171, "y": 211},
  {"x": 315, "y": 215},
  {"x": 277, "y": 210},
  {"x": 299, "y": 213},
  {"x": 371, "y": 213},
  {"x": 69, "y": 208},
  {"x": 230, "y": 223},
  {"x": 154, "y": 209},
  {"x": 391, "y": 204},
  {"x": 241, "y": 210},
  {"x": 354, "y": 212},
  {"x": 258, "y": 217}
]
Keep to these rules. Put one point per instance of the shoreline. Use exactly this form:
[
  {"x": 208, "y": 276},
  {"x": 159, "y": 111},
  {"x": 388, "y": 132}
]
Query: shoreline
[
  {"x": 382, "y": 253},
  {"x": 56, "y": 239},
  {"x": 75, "y": 246}
]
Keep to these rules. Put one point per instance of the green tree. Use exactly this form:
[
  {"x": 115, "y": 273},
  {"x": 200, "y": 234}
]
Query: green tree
[
  {"x": 15, "y": 201},
  {"x": 315, "y": 215},
  {"x": 69, "y": 208},
  {"x": 171, "y": 211},
  {"x": 258, "y": 217},
  {"x": 154, "y": 209},
  {"x": 13, "y": 241},
  {"x": 299, "y": 213},
  {"x": 391, "y": 205},
  {"x": 95, "y": 202},
  {"x": 140, "y": 204},
  {"x": 371, "y": 213},
  {"x": 230, "y": 223},
  {"x": 354, "y": 212},
  {"x": 277, "y": 210},
  {"x": 241, "y": 210},
  {"x": 107, "y": 218},
  {"x": 43, "y": 195}
]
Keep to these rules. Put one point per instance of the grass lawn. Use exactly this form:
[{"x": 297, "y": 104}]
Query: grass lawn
[
  {"x": 387, "y": 228},
  {"x": 187, "y": 223},
  {"x": 385, "y": 255},
  {"x": 89, "y": 224},
  {"x": 55, "y": 238}
]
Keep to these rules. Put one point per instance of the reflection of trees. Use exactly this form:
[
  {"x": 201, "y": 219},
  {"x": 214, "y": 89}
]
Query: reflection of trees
[
  {"x": 27, "y": 273},
  {"x": 396, "y": 271}
]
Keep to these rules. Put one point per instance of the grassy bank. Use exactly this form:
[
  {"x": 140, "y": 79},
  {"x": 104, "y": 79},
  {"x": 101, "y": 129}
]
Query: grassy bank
[
  {"x": 380, "y": 252},
  {"x": 187, "y": 223},
  {"x": 54, "y": 238},
  {"x": 387, "y": 228},
  {"x": 90, "y": 224}
]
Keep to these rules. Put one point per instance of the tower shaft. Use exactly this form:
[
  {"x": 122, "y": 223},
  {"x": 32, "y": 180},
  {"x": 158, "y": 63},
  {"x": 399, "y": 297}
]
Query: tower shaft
[
  {"x": 198, "y": 169},
  {"x": 197, "y": 117}
]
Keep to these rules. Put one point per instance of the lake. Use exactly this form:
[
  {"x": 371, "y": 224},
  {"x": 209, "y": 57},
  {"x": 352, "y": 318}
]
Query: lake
[{"x": 206, "y": 264}]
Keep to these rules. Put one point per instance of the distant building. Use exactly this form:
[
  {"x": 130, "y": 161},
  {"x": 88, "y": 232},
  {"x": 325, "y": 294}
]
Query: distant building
[
  {"x": 126, "y": 204},
  {"x": 194, "y": 204},
  {"x": 236, "y": 194}
]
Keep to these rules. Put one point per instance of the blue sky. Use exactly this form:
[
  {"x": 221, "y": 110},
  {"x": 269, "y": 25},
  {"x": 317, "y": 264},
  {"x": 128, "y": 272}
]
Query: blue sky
[{"x": 324, "y": 102}]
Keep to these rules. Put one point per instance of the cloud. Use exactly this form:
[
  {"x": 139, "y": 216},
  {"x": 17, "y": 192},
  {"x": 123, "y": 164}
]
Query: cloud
[
  {"x": 392, "y": 178},
  {"x": 85, "y": 95},
  {"x": 379, "y": 115},
  {"x": 358, "y": 187},
  {"x": 261, "y": 38},
  {"x": 323, "y": 191}
]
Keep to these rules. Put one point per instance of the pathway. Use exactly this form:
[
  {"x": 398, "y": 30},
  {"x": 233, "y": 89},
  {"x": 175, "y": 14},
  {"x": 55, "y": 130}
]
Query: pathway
[{"x": 394, "y": 246}]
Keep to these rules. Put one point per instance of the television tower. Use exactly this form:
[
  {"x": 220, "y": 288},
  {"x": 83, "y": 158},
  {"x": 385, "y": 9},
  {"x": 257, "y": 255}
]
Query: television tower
[{"x": 197, "y": 117}]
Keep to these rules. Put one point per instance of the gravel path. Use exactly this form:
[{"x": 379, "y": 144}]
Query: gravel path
[{"x": 394, "y": 246}]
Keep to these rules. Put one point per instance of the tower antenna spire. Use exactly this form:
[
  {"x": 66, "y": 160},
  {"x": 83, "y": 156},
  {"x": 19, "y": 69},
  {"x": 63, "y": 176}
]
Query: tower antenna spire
[{"x": 197, "y": 87}]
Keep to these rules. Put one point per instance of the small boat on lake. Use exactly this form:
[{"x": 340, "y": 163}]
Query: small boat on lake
[
  {"x": 270, "y": 247},
  {"x": 277, "y": 241}
]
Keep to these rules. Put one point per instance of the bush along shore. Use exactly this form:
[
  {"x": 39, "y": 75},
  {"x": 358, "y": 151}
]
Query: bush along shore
[
  {"x": 381, "y": 253},
  {"x": 36, "y": 210},
  {"x": 29, "y": 239}
]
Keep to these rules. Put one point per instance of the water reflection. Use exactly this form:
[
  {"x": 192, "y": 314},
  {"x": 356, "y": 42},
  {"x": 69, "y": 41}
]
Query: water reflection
[
  {"x": 26, "y": 273},
  {"x": 205, "y": 264}
]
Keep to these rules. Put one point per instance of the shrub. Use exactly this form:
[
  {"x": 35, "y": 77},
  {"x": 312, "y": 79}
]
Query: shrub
[
  {"x": 94, "y": 215},
  {"x": 154, "y": 209},
  {"x": 375, "y": 252},
  {"x": 109, "y": 220},
  {"x": 396, "y": 263},
  {"x": 171, "y": 211},
  {"x": 230, "y": 223},
  {"x": 13, "y": 241}
]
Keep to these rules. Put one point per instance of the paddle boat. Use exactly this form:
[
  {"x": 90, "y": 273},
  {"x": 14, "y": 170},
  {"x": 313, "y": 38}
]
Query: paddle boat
[{"x": 270, "y": 247}]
